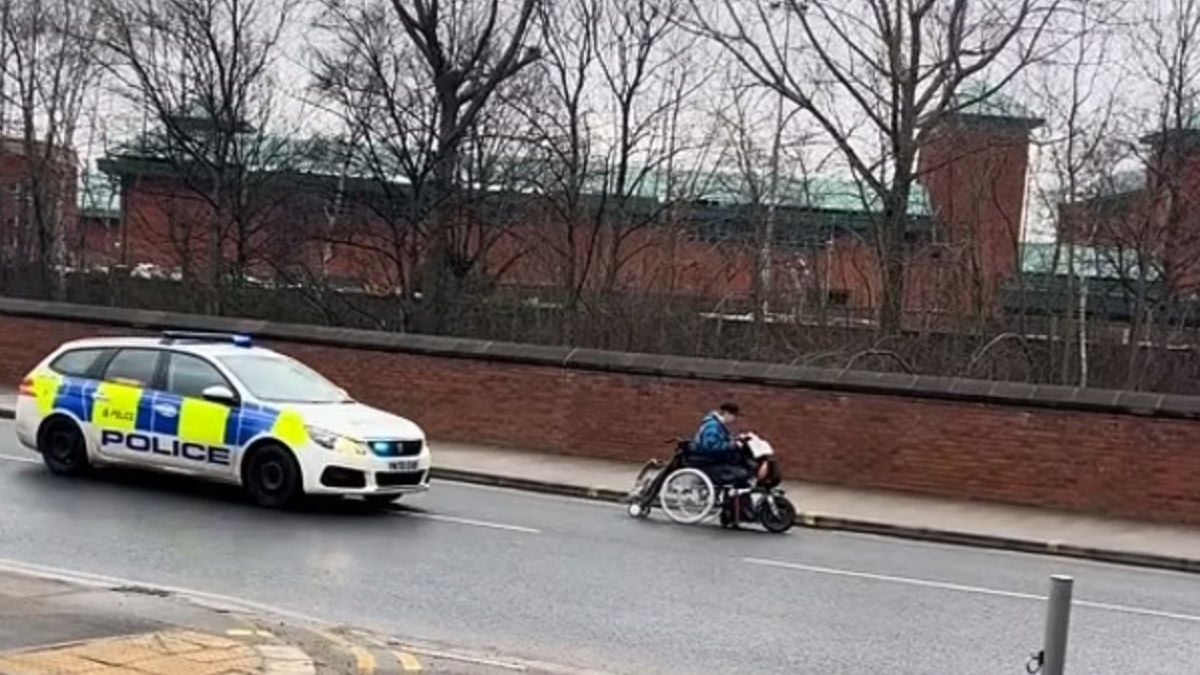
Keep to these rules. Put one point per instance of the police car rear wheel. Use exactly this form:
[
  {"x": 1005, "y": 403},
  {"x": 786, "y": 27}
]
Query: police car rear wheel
[
  {"x": 273, "y": 477},
  {"x": 63, "y": 448}
]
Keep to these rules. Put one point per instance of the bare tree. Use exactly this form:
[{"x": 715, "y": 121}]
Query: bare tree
[
  {"x": 466, "y": 51},
  {"x": 48, "y": 65},
  {"x": 875, "y": 75},
  {"x": 1080, "y": 156},
  {"x": 611, "y": 124},
  {"x": 1160, "y": 232},
  {"x": 203, "y": 72},
  {"x": 421, "y": 88},
  {"x": 775, "y": 177}
]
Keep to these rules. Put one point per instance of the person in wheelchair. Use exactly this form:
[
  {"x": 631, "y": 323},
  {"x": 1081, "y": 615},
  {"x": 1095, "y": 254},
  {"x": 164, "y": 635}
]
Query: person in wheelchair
[{"x": 717, "y": 452}]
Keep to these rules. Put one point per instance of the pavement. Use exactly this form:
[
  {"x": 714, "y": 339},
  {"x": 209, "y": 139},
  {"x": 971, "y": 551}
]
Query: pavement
[
  {"x": 56, "y": 623},
  {"x": 55, "y": 626}
]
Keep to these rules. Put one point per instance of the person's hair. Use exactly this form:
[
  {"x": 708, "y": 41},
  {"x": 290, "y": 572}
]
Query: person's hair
[{"x": 730, "y": 409}]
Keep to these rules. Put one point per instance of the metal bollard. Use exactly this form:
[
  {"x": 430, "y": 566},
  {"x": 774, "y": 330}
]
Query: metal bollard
[{"x": 1058, "y": 622}]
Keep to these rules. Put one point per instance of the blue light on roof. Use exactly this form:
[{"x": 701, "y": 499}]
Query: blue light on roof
[{"x": 243, "y": 341}]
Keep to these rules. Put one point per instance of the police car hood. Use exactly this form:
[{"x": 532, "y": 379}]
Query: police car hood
[{"x": 355, "y": 420}]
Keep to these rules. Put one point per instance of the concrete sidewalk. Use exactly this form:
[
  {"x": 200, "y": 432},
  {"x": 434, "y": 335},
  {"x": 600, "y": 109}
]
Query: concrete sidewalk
[
  {"x": 60, "y": 623},
  {"x": 51, "y": 626},
  {"x": 878, "y": 512},
  {"x": 828, "y": 507}
]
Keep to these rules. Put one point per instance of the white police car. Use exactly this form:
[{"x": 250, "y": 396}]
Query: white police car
[{"x": 218, "y": 407}]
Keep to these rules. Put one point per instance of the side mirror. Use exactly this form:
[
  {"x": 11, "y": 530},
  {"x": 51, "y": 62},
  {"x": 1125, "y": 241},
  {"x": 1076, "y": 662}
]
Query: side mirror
[{"x": 219, "y": 393}]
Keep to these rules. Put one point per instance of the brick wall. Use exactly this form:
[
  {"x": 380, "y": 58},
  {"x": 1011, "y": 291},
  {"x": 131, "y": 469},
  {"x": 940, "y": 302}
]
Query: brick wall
[{"x": 1117, "y": 453}]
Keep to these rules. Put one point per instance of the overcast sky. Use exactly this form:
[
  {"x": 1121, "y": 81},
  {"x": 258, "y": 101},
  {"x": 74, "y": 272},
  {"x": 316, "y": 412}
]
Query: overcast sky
[{"x": 1114, "y": 70}]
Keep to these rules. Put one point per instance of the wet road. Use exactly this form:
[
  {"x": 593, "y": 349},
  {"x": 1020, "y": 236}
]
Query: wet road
[{"x": 580, "y": 583}]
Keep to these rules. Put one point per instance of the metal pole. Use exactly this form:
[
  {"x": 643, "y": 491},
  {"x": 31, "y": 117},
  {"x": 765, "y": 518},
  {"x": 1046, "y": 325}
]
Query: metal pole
[{"x": 1058, "y": 620}]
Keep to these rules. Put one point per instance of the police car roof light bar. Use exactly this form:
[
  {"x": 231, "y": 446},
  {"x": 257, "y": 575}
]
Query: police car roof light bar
[{"x": 171, "y": 336}]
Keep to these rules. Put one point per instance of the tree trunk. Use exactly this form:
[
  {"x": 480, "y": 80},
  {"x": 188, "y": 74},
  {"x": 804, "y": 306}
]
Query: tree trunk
[{"x": 891, "y": 253}]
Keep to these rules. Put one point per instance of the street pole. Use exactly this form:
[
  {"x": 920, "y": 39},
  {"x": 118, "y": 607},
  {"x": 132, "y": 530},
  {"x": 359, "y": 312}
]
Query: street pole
[{"x": 1058, "y": 620}]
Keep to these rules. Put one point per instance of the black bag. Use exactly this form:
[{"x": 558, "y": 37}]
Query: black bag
[{"x": 773, "y": 476}]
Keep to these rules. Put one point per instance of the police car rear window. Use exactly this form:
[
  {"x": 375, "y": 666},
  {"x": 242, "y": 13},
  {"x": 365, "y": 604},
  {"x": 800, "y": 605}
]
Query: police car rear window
[{"x": 77, "y": 362}]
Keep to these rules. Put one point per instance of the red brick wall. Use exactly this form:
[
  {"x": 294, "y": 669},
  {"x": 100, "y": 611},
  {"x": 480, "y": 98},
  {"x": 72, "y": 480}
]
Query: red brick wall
[{"x": 1117, "y": 464}]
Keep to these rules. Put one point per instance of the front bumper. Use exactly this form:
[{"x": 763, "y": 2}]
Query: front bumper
[{"x": 342, "y": 473}]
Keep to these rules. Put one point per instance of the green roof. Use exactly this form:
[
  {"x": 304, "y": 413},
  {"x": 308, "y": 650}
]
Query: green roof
[
  {"x": 830, "y": 193},
  {"x": 1089, "y": 261},
  {"x": 331, "y": 156},
  {"x": 99, "y": 195},
  {"x": 980, "y": 100},
  {"x": 824, "y": 192}
]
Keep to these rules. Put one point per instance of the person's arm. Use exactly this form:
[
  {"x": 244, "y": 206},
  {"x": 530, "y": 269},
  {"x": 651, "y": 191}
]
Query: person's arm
[
  {"x": 725, "y": 445},
  {"x": 709, "y": 439}
]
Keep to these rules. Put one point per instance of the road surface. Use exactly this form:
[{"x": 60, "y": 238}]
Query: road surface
[{"x": 580, "y": 583}]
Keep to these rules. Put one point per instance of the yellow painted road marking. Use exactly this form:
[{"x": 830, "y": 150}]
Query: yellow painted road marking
[
  {"x": 408, "y": 662},
  {"x": 364, "y": 659}
]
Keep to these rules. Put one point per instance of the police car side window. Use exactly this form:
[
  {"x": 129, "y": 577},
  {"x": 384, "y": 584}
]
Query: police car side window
[
  {"x": 190, "y": 375},
  {"x": 77, "y": 363},
  {"x": 133, "y": 366}
]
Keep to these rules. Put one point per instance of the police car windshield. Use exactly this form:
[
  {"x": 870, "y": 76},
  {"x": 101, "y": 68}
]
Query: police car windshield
[{"x": 282, "y": 380}]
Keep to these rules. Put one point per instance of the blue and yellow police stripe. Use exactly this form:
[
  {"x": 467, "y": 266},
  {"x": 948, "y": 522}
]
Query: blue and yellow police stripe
[{"x": 123, "y": 407}]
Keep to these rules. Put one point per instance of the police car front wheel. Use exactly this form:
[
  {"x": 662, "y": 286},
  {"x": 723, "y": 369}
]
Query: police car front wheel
[
  {"x": 63, "y": 447},
  {"x": 272, "y": 477}
]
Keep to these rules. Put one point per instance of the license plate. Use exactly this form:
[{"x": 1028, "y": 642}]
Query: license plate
[{"x": 406, "y": 465}]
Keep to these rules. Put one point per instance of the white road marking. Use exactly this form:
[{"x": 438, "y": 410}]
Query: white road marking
[
  {"x": 1140, "y": 611},
  {"x": 468, "y": 521},
  {"x": 14, "y": 458},
  {"x": 961, "y": 588},
  {"x": 979, "y": 590}
]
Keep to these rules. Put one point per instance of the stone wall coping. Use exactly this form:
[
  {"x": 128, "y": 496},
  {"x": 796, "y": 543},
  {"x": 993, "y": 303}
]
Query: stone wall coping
[{"x": 1147, "y": 404}]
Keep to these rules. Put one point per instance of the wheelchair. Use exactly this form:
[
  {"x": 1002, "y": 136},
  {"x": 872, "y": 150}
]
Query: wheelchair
[{"x": 685, "y": 491}]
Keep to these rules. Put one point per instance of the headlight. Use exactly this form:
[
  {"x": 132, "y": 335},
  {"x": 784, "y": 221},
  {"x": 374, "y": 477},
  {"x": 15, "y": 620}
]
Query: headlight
[
  {"x": 323, "y": 437},
  {"x": 336, "y": 442}
]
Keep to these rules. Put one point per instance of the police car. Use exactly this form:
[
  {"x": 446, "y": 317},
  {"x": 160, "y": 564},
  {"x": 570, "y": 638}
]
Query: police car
[{"x": 218, "y": 407}]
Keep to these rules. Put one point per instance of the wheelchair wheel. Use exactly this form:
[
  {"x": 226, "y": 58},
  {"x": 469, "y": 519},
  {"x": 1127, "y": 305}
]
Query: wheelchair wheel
[
  {"x": 777, "y": 514},
  {"x": 687, "y": 496}
]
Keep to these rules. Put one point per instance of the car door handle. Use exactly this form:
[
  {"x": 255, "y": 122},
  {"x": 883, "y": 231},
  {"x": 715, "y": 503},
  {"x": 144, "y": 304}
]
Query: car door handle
[{"x": 166, "y": 410}]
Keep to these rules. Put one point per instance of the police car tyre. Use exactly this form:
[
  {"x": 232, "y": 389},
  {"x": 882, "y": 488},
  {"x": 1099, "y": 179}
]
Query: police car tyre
[
  {"x": 63, "y": 447},
  {"x": 272, "y": 476}
]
